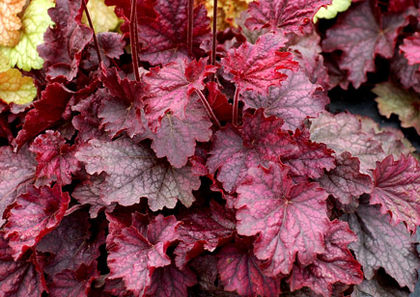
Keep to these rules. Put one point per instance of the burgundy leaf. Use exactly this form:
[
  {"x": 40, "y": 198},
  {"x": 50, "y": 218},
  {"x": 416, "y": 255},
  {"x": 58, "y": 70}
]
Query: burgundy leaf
[
  {"x": 172, "y": 86},
  {"x": 202, "y": 230},
  {"x": 134, "y": 253},
  {"x": 372, "y": 288},
  {"x": 117, "y": 117},
  {"x": 56, "y": 161},
  {"x": 381, "y": 245},
  {"x": 164, "y": 38},
  {"x": 255, "y": 67},
  {"x": 20, "y": 278},
  {"x": 121, "y": 106},
  {"x": 343, "y": 132},
  {"x": 408, "y": 75},
  {"x": 219, "y": 103},
  {"x": 89, "y": 192},
  {"x": 259, "y": 140},
  {"x": 288, "y": 16},
  {"x": 34, "y": 214},
  {"x": 345, "y": 182},
  {"x": 336, "y": 264},
  {"x": 307, "y": 52},
  {"x": 87, "y": 122},
  {"x": 240, "y": 271},
  {"x": 397, "y": 190},
  {"x": 111, "y": 46},
  {"x": 169, "y": 281},
  {"x": 411, "y": 48},
  {"x": 65, "y": 41},
  {"x": 134, "y": 172},
  {"x": 310, "y": 158},
  {"x": 290, "y": 219},
  {"x": 47, "y": 111},
  {"x": 293, "y": 102},
  {"x": 71, "y": 244},
  {"x": 361, "y": 38},
  {"x": 162, "y": 28},
  {"x": 74, "y": 283},
  {"x": 16, "y": 170},
  {"x": 176, "y": 138},
  {"x": 399, "y": 5},
  {"x": 125, "y": 90}
]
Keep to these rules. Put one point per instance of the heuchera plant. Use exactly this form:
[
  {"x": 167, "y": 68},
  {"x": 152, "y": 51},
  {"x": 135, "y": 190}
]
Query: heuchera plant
[{"x": 167, "y": 159}]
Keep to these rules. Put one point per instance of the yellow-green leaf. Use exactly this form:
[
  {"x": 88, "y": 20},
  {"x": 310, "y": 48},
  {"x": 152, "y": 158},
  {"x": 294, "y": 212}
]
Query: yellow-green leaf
[
  {"x": 16, "y": 88},
  {"x": 228, "y": 11},
  {"x": 103, "y": 17},
  {"x": 405, "y": 104},
  {"x": 331, "y": 10},
  {"x": 35, "y": 22}
]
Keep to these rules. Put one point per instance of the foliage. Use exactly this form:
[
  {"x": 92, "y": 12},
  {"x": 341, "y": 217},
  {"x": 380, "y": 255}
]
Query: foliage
[{"x": 149, "y": 166}]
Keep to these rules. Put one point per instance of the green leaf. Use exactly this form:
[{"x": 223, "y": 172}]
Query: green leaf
[
  {"x": 405, "y": 104},
  {"x": 103, "y": 17},
  {"x": 35, "y": 22},
  {"x": 331, "y": 10}
]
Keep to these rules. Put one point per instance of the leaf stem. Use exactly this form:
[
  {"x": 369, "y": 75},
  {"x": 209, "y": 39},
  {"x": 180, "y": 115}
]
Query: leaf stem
[
  {"x": 208, "y": 108},
  {"x": 133, "y": 39},
  {"x": 235, "y": 109},
  {"x": 190, "y": 26},
  {"x": 214, "y": 37},
  {"x": 95, "y": 39}
]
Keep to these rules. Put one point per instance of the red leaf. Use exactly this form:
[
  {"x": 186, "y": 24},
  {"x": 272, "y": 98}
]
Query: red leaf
[
  {"x": 308, "y": 52},
  {"x": 172, "y": 86},
  {"x": 121, "y": 105},
  {"x": 136, "y": 251},
  {"x": 56, "y": 161},
  {"x": 71, "y": 244},
  {"x": 361, "y": 38},
  {"x": 20, "y": 278},
  {"x": 397, "y": 190},
  {"x": 344, "y": 132},
  {"x": 203, "y": 229},
  {"x": 176, "y": 138},
  {"x": 288, "y": 16},
  {"x": 336, "y": 264},
  {"x": 65, "y": 41},
  {"x": 411, "y": 48},
  {"x": 399, "y": 5},
  {"x": 74, "y": 283},
  {"x": 408, "y": 75},
  {"x": 46, "y": 112},
  {"x": 164, "y": 36},
  {"x": 255, "y": 67},
  {"x": 374, "y": 288},
  {"x": 240, "y": 271},
  {"x": 16, "y": 171},
  {"x": 290, "y": 219},
  {"x": 133, "y": 172},
  {"x": 259, "y": 140},
  {"x": 89, "y": 192},
  {"x": 381, "y": 245},
  {"x": 34, "y": 215},
  {"x": 293, "y": 102},
  {"x": 310, "y": 158},
  {"x": 162, "y": 28},
  {"x": 169, "y": 281},
  {"x": 345, "y": 182},
  {"x": 219, "y": 103},
  {"x": 111, "y": 46}
]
